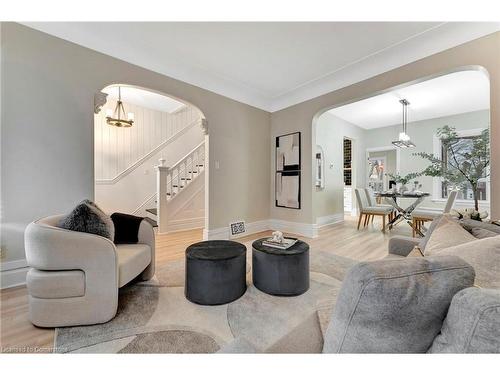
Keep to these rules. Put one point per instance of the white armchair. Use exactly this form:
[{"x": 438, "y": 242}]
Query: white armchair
[{"x": 75, "y": 276}]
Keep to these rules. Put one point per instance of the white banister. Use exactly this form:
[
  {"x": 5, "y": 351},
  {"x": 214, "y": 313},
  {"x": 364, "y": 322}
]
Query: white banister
[
  {"x": 161, "y": 196},
  {"x": 171, "y": 180}
]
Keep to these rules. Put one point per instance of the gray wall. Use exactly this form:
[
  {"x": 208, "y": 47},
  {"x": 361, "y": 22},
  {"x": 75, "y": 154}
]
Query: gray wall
[
  {"x": 481, "y": 53},
  {"x": 329, "y": 134},
  {"x": 47, "y": 140}
]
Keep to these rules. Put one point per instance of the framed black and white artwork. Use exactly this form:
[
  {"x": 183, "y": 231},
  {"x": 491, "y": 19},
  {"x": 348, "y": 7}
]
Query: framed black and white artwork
[{"x": 287, "y": 181}]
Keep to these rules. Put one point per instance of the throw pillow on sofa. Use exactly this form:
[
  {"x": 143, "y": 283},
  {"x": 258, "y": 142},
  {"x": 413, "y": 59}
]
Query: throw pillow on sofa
[
  {"x": 126, "y": 228},
  {"x": 88, "y": 217},
  {"x": 447, "y": 233}
]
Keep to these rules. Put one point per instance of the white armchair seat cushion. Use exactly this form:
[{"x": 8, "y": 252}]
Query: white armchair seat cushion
[
  {"x": 377, "y": 210},
  {"x": 55, "y": 284},
  {"x": 425, "y": 214},
  {"x": 132, "y": 260}
]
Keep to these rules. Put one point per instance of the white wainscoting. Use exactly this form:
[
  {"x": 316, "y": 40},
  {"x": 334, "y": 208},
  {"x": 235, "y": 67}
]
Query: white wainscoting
[
  {"x": 117, "y": 149},
  {"x": 13, "y": 273}
]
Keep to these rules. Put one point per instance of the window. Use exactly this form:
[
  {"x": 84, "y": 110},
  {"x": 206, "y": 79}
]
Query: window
[
  {"x": 447, "y": 155},
  {"x": 347, "y": 162}
]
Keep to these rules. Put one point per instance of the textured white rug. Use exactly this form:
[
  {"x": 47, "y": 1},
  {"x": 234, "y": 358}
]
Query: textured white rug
[{"x": 155, "y": 317}]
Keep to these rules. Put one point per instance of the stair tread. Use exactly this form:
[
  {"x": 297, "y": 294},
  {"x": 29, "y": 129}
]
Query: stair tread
[
  {"x": 152, "y": 211},
  {"x": 151, "y": 221}
]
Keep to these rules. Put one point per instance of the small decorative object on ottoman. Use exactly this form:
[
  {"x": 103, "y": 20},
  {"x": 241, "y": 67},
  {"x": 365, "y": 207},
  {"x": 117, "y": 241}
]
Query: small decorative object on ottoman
[
  {"x": 280, "y": 272},
  {"x": 215, "y": 272}
]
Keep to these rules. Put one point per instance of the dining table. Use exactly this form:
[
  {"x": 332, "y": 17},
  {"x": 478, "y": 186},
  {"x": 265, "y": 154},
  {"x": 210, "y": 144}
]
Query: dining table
[{"x": 403, "y": 214}]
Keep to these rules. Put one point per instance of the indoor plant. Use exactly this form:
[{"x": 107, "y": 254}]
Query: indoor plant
[{"x": 466, "y": 162}]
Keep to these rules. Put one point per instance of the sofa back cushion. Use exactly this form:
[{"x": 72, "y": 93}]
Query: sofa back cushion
[
  {"x": 483, "y": 233},
  {"x": 448, "y": 232},
  {"x": 472, "y": 324},
  {"x": 484, "y": 256},
  {"x": 468, "y": 224},
  {"x": 396, "y": 305}
]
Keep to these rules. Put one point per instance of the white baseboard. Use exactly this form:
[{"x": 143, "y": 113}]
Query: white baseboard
[
  {"x": 302, "y": 229},
  {"x": 186, "y": 224},
  {"x": 324, "y": 221},
  {"x": 13, "y": 273},
  {"x": 224, "y": 234}
]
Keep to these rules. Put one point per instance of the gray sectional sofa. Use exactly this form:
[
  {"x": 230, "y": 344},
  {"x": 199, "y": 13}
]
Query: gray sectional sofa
[{"x": 406, "y": 304}]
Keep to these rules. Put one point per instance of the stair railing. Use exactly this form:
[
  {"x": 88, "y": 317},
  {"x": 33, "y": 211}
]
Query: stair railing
[{"x": 170, "y": 180}]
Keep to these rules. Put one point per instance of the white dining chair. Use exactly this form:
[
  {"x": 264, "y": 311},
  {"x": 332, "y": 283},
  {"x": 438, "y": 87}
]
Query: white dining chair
[
  {"x": 421, "y": 216},
  {"x": 373, "y": 201},
  {"x": 368, "y": 212}
]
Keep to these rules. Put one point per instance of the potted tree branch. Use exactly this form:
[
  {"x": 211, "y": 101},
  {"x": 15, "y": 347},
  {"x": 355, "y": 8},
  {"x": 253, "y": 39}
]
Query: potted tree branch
[
  {"x": 403, "y": 180},
  {"x": 464, "y": 163}
]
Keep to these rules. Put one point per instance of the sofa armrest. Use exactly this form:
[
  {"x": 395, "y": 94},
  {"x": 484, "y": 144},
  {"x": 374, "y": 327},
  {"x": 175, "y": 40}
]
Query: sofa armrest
[
  {"x": 51, "y": 248},
  {"x": 402, "y": 245},
  {"x": 146, "y": 236}
]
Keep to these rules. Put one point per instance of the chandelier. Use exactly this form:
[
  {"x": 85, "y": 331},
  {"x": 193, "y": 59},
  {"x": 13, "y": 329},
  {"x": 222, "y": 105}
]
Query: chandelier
[
  {"x": 404, "y": 138},
  {"x": 115, "y": 118}
]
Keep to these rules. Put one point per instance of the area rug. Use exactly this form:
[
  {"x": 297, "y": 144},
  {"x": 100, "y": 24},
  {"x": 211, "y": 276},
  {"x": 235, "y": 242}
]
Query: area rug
[{"x": 155, "y": 317}]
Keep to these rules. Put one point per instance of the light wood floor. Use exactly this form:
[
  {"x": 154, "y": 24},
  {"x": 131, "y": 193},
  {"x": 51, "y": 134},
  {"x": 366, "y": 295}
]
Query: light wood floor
[{"x": 18, "y": 334}]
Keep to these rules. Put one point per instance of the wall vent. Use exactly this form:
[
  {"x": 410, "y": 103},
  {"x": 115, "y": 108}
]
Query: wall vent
[{"x": 237, "y": 228}]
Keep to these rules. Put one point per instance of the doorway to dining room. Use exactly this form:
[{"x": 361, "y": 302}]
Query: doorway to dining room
[{"x": 413, "y": 140}]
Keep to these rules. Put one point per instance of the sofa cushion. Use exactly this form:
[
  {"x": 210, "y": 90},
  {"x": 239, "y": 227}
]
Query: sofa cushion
[
  {"x": 132, "y": 260},
  {"x": 395, "y": 305},
  {"x": 87, "y": 217},
  {"x": 484, "y": 256},
  {"x": 55, "y": 284},
  {"x": 483, "y": 233},
  {"x": 448, "y": 232},
  {"x": 468, "y": 224},
  {"x": 428, "y": 233},
  {"x": 472, "y": 324}
]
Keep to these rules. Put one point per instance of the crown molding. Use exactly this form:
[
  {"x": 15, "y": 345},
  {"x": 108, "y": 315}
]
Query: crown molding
[{"x": 444, "y": 36}]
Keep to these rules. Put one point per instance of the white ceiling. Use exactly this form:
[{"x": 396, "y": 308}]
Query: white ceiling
[
  {"x": 269, "y": 65},
  {"x": 144, "y": 98},
  {"x": 447, "y": 95}
]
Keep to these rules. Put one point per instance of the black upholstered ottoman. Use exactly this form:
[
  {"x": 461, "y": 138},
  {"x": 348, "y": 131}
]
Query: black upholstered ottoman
[
  {"x": 281, "y": 272},
  {"x": 215, "y": 272}
]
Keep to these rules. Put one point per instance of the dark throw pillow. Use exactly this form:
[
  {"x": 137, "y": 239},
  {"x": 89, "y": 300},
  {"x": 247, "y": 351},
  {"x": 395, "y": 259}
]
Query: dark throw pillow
[
  {"x": 89, "y": 218},
  {"x": 126, "y": 228}
]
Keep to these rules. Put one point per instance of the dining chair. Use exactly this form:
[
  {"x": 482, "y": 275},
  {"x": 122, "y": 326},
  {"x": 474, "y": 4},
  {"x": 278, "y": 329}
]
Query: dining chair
[
  {"x": 375, "y": 202},
  {"x": 367, "y": 211},
  {"x": 421, "y": 216}
]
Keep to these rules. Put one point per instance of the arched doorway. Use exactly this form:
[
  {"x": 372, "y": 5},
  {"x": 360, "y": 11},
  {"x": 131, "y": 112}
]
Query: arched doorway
[
  {"x": 361, "y": 122},
  {"x": 151, "y": 157}
]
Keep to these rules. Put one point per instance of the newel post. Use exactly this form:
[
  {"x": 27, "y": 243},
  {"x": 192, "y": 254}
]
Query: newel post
[{"x": 161, "y": 196}]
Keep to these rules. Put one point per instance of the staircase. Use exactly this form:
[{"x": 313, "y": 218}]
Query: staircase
[{"x": 173, "y": 181}]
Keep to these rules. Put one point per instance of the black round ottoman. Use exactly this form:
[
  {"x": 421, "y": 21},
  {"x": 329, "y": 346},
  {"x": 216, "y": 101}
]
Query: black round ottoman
[
  {"x": 281, "y": 272},
  {"x": 215, "y": 272}
]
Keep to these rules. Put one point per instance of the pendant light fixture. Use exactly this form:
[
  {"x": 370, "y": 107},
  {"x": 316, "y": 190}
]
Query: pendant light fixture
[
  {"x": 115, "y": 118},
  {"x": 404, "y": 138}
]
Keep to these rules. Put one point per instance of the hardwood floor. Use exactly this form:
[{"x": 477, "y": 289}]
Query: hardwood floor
[{"x": 19, "y": 335}]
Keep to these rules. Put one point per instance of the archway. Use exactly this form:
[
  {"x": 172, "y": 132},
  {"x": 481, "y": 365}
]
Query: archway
[
  {"x": 155, "y": 162},
  {"x": 367, "y": 149}
]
